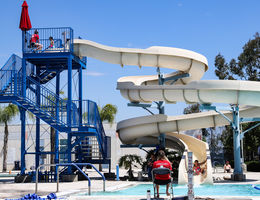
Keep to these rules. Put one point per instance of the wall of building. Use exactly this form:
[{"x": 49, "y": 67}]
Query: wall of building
[{"x": 14, "y": 144}]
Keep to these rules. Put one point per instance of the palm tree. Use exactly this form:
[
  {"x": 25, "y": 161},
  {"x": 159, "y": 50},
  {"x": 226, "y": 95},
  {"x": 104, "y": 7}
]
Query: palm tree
[
  {"x": 128, "y": 161},
  {"x": 107, "y": 113},
  {"x": 6, "y": 115}
]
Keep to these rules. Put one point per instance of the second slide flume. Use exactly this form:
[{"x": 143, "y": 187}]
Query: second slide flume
[{"x": 145, "y": 130}]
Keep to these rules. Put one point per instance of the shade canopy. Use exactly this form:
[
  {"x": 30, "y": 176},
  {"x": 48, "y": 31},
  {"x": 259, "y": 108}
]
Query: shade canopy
[{"x": 25, "y": 22}]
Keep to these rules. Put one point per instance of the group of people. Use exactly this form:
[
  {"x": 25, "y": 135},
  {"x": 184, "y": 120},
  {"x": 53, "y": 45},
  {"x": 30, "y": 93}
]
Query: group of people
[{"x": 35, "y": 41}]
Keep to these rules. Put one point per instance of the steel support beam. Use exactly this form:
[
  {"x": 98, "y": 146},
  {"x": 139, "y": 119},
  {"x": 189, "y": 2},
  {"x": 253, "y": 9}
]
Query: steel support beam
[
  {"x": 37, "y": 138},
  {"x": 22, "y": 117},
  {"x": 236, "y": 141},
  {"x": 57, "y": 117},
  {"x": 23, "y": 129},
  {"x": 69, "y": 110},
  {"x": 235, "y": 124}
]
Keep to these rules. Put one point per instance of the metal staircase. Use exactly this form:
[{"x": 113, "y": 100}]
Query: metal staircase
[{"x": 52, "y": 109}]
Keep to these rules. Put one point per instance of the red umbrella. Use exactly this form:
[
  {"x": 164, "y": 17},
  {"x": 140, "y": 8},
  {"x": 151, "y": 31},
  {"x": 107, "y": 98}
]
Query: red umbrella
[{"x": 25, "y": 22}]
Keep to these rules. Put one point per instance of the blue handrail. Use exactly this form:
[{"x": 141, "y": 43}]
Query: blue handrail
[
  {"x": 75, "y": 165},
  {"x": 90, "y": 117}
]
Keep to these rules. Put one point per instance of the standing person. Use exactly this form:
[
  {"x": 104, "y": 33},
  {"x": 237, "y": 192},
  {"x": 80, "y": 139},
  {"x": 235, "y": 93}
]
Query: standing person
[
  {"x": 150, "y": 165},
  {"x": 162, "y": 179},
  {"x": 35, "y": 40}
]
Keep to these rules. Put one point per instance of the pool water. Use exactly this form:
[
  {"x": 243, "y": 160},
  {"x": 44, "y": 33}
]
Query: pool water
[{"x": 201, "y": 190}]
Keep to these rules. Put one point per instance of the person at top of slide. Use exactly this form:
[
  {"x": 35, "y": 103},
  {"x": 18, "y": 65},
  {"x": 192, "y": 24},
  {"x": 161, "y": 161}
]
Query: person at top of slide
[
  {"x": 164, "y": 179},
  {"x": 51, "y": 42},
  {"x": 35, "y": 40}
]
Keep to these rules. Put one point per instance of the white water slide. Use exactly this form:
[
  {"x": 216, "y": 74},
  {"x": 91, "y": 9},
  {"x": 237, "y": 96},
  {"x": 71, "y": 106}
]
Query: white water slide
[{"x": 145, "y": 130}]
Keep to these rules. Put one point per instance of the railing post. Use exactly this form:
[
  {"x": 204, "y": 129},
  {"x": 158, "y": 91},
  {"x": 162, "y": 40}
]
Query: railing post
[
  {"x": 88, "y": 112},
  {"x": 117, "y": 172},
  {"x": 15, "y": 82},
  {"x": 13, "y": 76}
]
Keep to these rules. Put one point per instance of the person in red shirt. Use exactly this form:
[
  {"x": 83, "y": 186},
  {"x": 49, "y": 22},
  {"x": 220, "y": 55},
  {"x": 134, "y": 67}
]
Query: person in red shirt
[
  {"x": 164, "y": 179},
  {"x": 35, "y": 41}
]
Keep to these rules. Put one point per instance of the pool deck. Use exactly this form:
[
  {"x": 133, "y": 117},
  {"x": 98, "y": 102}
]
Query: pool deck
[{"x": 9, "y": 189}]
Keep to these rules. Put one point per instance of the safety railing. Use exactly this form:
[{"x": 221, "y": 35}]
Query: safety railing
[
  {"x": 89, "y": 113},
  {"x": 9, "y": 74},
  {"x": 70, "y": 164},
  {"x": 6, "y": 85},
  {"x": 49, "y": 101},
  {"x": 38, "y": 40}
]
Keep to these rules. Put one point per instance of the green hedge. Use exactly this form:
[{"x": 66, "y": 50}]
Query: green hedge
[{"x": 253, "y": 166}]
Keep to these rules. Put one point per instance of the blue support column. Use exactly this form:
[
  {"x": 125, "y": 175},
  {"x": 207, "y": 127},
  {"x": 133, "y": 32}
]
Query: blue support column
[
  {"x": 22, "y": 117},
  {"x": 69, "y": 109},
  {"x": 79, "y": 152},
  {"x": 57, "y": 110},
  {"x": 80, "y": 95},
  {"x": 161, "y": 109},
  {"x": 38, "y": 129},
  {"x": 236, "y": 141},
  {"x": 23, "y": 129}
]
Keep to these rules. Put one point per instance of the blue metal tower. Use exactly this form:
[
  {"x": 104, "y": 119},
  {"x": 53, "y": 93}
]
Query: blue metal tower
[{"x": 23, "y": 82}]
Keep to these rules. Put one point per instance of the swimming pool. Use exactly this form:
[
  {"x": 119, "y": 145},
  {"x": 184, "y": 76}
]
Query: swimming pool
[{"x": 201, "y": 190}]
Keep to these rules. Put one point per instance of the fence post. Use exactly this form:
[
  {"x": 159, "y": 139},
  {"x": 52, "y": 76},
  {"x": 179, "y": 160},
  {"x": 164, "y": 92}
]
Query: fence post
[
  {"x": 117, "y": 172},
  {"x": 190, "y": 177}
]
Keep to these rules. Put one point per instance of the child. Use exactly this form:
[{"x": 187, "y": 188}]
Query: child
[{"x": 51, "y": 42}]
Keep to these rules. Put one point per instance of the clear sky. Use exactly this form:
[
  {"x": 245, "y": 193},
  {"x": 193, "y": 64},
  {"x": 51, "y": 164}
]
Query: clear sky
[{"x": 205, "y": 26}]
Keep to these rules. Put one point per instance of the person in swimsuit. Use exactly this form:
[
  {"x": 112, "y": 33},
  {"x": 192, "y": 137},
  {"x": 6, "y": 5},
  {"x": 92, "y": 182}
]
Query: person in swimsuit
[
  {"x": 197, "y": 169},
  {"x": 227, "y": 167},
  {"x": 51, "y": 42}
]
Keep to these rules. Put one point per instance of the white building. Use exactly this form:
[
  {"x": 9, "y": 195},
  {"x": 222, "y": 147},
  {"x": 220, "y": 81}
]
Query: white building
[{"x": 14, "y": 144}]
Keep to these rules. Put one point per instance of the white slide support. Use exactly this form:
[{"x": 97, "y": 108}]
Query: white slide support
[{"x": 145, "y": 130}]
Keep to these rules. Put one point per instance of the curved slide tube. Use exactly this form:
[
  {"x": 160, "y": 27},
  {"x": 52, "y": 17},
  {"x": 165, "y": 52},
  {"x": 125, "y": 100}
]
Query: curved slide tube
[{"x": 145, "y": 130}]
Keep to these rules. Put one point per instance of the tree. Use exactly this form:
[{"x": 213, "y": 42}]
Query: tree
[
  {"x": 193, "y": 108},
  {"x": 209, "y": 135},
  {"x": 245, "y": 67},
  {"x": 107, "y": 113},
  {"x": 128, "y": 161},
  {"x": 6, "y": 115}
]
